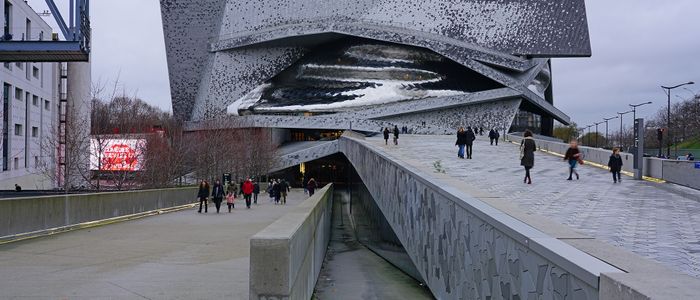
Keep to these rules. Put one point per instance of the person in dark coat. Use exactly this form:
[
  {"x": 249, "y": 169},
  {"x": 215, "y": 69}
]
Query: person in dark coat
[
  {"x": 527, "y": 155},
  {"x": 386, "y": 136},
  {"x": 461, "y": 142},
  {"x": 615, "y": 165},
  {"x": 276, "y": 191},
  {"x": 498, "y": 136},
  {"x": 470, "y": 141},
  {"x": 217, "y": 195},
  {"x": 203, "y": 195},
  {"x": 311, "y": 186},
  {"x": 492, "y": 136},
  {"x": 396, "y": 135},
  {"x": 481, "y": 130},
  {"x": 572, "y": 156},
  {"x": 284, "y": 189},
  {"x": 256, "y": 191}
]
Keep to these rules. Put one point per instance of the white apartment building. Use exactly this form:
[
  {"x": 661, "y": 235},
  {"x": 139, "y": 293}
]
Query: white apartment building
[{"x": 29, "y": 94}]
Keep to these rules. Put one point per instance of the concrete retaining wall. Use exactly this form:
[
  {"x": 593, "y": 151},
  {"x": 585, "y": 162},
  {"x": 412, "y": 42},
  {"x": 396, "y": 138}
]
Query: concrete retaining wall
[
  {"x": 674, "y": 171},
  {"x": 23, "y": 215},
  {"x": 286, "y": 257},
  {"x": 465, "y": 248}
]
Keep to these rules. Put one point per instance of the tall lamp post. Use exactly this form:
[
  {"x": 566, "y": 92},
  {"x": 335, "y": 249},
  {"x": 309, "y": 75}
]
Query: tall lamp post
[
  {"x": 622, "y": 114},
  {"x": 667, "y": 90},
  {"x": 588, "y": 127},
  {"x": 607, "y": 141},
  {"x": 596, "y": 133}
]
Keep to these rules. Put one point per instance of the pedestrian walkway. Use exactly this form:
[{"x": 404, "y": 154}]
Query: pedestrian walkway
[
  {"x": 182, "y": 255},
  {"x": 658, "y": 221}
]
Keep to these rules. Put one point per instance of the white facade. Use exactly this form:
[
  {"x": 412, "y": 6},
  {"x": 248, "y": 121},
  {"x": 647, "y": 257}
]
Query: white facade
[{"x": 30, "y": 102}]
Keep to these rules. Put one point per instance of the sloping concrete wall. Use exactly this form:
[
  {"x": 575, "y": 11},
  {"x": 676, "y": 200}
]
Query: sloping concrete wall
[
  {"x": 23, "y": 215},
  {"x": 464, "y": 248},
  {"x": 286, "y": 257}
]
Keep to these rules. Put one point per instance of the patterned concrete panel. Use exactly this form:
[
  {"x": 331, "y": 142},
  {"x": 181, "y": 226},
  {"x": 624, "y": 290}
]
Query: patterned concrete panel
[
  {"x": 296, "y": 153},
  {"x": 464, "y": 248}
]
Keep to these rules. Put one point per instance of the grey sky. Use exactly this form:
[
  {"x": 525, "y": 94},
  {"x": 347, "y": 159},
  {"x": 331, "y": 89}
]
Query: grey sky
[{"x": 637, "y": 46}]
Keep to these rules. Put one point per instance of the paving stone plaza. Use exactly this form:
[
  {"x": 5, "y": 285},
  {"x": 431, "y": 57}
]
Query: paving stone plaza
[{"x": 656, "y": 220}]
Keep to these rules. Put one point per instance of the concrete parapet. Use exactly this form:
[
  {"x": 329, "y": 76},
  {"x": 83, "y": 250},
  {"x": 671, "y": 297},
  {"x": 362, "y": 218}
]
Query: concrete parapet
[
  {"x": 286, "y": 257},
  {"x": 35, "y": 214},
  {"x": 465, "y": 248}
]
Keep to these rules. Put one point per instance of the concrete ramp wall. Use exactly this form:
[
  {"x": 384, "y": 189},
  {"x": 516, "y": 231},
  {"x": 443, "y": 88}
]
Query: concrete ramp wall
[
  {"x": 286, "y": 257},
  {"x": 20, "y": 216},
  {"x": 464, "y": 248}
]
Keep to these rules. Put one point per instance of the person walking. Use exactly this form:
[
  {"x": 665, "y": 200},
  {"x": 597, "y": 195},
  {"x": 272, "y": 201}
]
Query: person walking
[
  {"x": 615, "y": 165},
  {"x": 527, "y": 155},
  {"x": 217, "y": 195},
  {"x": 203, "y": 195},
  {"x": 492, "y": 136},
  {"x": 247, "y": 192},
  {"x": 284, "y": 188},
  {"x": 461, "y": 142},
  {"x": 311, "y": 186},
  {"x": 386, "y": 136},
  {"x": 396, "y": 135},
  {"x": 276, "y": 192},
  {"x": 230, "y": 198},
  {"x": 256, "y": 191},
  {"x": 470, "y": 141},
  {"x": 481, "y": 130},
  {"x": 231, "y": 188},
  {"x": 573, "y": 157},
  {"x": 498, "y": 136}
]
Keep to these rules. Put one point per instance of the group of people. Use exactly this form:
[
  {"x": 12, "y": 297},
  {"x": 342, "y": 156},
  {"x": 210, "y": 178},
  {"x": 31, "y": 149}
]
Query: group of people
[
  {"x": 573, "y": 158},
  {"x": 465, "y": 140},
  {"x": 396, "y": 135},
  {"x": 278, "y": 189},
  {"x": 230, "y": 191}
]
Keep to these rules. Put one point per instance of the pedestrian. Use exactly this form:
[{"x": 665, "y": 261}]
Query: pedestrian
[
  {"x": 470, "y": 141},
  {"x": 247, "y": 192},
  {"x": 276, "y": 192},
  {"x": 270, "y": 193},
  {"x": 231, "y": 188},
  {"x": 492, "y": 136},
  {"x": 203, "y": 195},
  {"x": 256, "y": 191},
  {"x": 527, "y": 155},
  {"x": 461, "y": 142},
  {"x": 498, "y": 136},
  {"x": 230, "y": 198},
  {"x": 615, "y": 165},
  {"x": 311, "y": 186},
  {"x": 217, "y": 195},
  {"x": 690, "y": 156},
  {"x": 481, "y": 131},
  {"x": 573, "y": 157},
  {"x": 284, "y": 188},
  {"x": 386, "y": 136},
  {"x": 396, "y": 135}
]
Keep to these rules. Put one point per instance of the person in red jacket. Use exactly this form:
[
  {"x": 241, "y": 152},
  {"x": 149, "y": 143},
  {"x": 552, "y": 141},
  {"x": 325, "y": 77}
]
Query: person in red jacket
[{"x": 247, "y": 191}]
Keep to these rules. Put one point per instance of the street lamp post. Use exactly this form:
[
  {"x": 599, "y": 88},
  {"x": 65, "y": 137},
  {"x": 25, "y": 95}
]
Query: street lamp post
[
  {"x": 634, "y": 113},
  {"x": 667, "y": 90},
  {"x": 622, "y": 114},
  {"x": 596, "y": 133},
  {"x": 588, "y": 127},
  {"x": 607, "y": 141}
]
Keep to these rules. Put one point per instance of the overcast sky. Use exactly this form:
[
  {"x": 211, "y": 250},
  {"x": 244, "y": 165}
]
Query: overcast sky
[{"x": 638, "y": 45}]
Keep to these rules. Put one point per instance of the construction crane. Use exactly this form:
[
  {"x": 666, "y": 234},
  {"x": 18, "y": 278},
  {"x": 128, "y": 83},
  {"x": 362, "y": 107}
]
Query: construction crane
[{"x": 75, "y": 47}]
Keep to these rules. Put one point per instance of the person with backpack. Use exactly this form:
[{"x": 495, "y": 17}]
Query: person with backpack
[
  {"x": 615, "y": 165},
  {"x": 470, "y": 141},
  {"x": 217, "y": 195},
  {"x": 461, "y": 142},
  {"x": 247, "y": 192},
  {"x": 527, "y": 155},
  {"x": 203, "y": 195}
]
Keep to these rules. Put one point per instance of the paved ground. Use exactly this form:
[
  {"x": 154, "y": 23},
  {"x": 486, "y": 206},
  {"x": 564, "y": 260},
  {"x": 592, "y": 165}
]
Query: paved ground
[
  {"x": 658, "y": 221},
  {"x": 182, "y": 255},
  {"x": 351, "y": 271}
]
